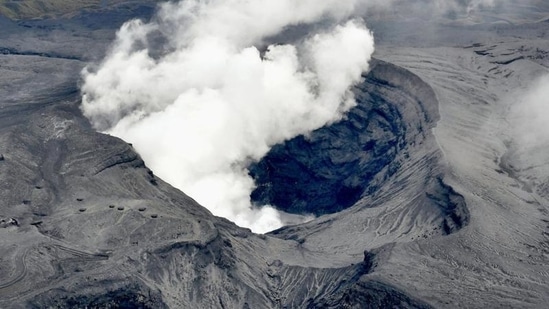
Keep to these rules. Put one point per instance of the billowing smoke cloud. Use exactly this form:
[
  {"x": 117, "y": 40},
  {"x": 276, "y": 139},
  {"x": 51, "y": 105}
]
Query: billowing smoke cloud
[{"x": 199, "y": 97}]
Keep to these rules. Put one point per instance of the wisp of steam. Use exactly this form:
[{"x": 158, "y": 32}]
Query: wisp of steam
[
  {"x": 200, "y": 96},
  {"x": 528, "y": 119}
]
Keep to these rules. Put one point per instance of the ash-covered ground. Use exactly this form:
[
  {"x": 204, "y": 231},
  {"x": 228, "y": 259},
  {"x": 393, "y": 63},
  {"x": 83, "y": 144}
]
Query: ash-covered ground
[{"x": 430, "y": 193}]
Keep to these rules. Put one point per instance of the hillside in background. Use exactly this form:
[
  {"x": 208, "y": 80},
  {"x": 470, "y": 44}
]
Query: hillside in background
[{"x": 39, "y": 9}]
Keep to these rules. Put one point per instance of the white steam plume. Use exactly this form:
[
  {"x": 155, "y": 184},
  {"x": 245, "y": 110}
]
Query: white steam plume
[
  {"x": 529, "y": 117},
  {"x": 202, "y": 103}
]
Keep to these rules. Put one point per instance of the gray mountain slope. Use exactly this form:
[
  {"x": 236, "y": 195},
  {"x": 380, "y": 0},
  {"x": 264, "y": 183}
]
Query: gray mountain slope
[
  {"x": 449, "y": 222},
  {"x": 94, "y": 224}
]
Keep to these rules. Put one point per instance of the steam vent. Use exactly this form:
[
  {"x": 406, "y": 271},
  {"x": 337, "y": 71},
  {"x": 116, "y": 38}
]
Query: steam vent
[{"x": 274, "y": 154}]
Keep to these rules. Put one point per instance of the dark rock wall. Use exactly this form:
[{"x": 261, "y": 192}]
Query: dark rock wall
[{"x": 333, "y": 167}]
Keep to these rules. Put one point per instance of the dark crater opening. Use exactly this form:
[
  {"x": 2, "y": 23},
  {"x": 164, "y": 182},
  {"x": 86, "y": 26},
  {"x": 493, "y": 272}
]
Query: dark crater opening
[{"x": 333, "y": 167}]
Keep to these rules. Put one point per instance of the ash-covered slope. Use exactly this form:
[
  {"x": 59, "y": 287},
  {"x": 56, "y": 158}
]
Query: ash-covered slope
[
  {"x": 94, "y": 227},
  {"x": 456, "y": 218}
]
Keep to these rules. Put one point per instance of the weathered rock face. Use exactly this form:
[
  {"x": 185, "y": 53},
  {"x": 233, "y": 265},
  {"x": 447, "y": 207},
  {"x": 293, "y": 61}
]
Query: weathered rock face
[
  {"x": 368, "y": 294},
  {"x": 101, "y": 295},
  {"x": 335, "y": 166}
]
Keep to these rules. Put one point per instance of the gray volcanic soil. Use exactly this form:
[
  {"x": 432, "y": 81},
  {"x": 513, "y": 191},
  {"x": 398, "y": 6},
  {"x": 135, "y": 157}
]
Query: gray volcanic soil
[{"x": 436, "y": 212}]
